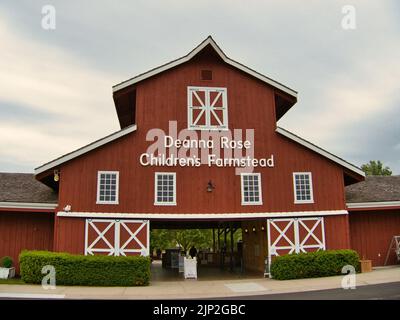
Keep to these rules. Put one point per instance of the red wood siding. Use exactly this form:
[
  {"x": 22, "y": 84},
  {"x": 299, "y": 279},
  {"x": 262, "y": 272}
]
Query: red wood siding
[
  {"x": 19, "y": 231},
  {"x": 163, "y": 98},
  {"x": 254, "y": 258},
  {"x": 337, "y": 234},
  {"x": 70, "y": 235},
  {"x": 371, "y": 233}
]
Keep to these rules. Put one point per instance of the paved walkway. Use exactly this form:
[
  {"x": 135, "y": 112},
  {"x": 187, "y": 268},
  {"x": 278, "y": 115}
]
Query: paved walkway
[{"x": 186, "y": 289}]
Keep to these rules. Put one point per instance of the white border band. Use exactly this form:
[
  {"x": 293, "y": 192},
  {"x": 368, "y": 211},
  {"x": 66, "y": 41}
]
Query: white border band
[
  {"x": 366, "y": 205},
  {"x": 28, "y": 205},
  {"x": 201, "y": 216}
]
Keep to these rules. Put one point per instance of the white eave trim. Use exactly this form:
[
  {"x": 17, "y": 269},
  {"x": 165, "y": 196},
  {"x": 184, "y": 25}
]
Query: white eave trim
[
  {"x": 367, "y": 205},
  {"x": 28, "y": 205},
  {"x": 208, "y": 41},
  {"x": 322, "y": 152},
  {"x": 200, "y": 216},
  {"x": 85, "y": 149}
]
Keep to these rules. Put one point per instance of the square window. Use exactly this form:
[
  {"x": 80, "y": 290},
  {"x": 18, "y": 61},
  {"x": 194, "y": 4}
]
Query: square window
[
  {"x": 251, "y": 189},
  {"x": 302, "y": 187},
  {"x": 165, "y": 189},
  {"x": 107, "y": 187}
]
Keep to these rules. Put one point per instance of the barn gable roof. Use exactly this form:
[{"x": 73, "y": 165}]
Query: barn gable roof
[
  {"x": 321, "y": 151},
  {"x": 208, "y": 41},
  {"x": 85, "y": 149}
]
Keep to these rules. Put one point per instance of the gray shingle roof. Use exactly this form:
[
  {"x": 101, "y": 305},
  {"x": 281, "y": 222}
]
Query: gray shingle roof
[
  {"x": 374, "y": 189},
  {"x": 23, "y": 187}
]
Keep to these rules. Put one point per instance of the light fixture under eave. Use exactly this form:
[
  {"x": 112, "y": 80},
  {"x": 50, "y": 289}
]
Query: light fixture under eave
[
  {"x": 56, "y": 176},
  {"x": 254, "y": 229},
  {"x": 210, "y": 186}
]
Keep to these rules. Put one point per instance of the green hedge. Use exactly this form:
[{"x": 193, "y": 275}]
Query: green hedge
[
  {"x": 80, "y": 270},
  {"x": 313, "y": 264}
]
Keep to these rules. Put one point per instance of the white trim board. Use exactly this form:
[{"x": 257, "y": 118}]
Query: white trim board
[
  {"x": 319, "y": 150},
  {"x": 28, "y": 205},
  {"x": 200, "y": 216},
  {"x": 17, "y": 295},
  {"x": 85, "y": 149},
  {"x": 366, "y": 205},
  {"x": 194, "y": 52}
]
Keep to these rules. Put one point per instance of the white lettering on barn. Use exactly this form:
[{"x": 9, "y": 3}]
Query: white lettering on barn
[{"x": 213, "y": 148}]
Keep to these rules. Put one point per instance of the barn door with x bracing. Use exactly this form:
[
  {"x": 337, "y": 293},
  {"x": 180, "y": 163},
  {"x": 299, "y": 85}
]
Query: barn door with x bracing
[
  {"x": 294, "y": 235},
  {"x": 117, "y": 237}
]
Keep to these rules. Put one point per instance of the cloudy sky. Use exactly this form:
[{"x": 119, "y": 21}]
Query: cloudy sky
[{"x": 55, "y": 85}]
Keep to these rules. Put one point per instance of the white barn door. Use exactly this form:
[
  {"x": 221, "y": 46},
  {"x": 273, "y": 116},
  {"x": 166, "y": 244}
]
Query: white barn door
[
  {"x": 294, "y": 235},
  {"x": 117, "y": 237}
]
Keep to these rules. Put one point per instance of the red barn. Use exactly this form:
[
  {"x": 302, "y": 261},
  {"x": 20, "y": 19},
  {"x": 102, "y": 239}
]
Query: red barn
[{"x": 199, "y": 147}]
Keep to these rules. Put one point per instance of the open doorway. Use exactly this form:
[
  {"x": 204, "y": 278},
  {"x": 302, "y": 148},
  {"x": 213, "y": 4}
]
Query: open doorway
[{"x": 217, "y": 246}]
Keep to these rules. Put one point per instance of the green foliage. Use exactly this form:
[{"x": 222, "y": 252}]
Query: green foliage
[
  {"x": 80, "y": 270},
  {"x": 162, "y": 239},
  {"x": 6, "y": 262},
  {"x": 375, "y": 168},
  {"x": 200, "y": 238},
  {"x": 313, "y": 264}
]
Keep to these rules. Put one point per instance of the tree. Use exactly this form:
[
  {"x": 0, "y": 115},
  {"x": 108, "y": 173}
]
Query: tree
[
  {"x": 375, "y": 168},
  {"x": 185, "y": 238},
  {"x": 162, "y": 239},
  {"x": 194, "y": 237}
]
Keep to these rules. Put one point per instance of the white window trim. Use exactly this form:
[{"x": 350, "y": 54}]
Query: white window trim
[
  {"x": 207, "y": 115},
  {"x": 98, "y": 201},
  {"x": 157, "y": 203},
  {"x": 311, "y": 188},
  {"x": 256, "y": 203}
]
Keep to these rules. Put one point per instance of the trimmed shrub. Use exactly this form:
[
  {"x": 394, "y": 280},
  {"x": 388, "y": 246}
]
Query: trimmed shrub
[
  {"x": 313, "y": 264},
  {"x": 6, "y": 262},
  {"x": 80, "y": 270}
]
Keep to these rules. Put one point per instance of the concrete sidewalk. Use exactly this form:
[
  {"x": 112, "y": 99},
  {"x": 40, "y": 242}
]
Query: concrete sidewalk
[{"x": 187, "y": 289}]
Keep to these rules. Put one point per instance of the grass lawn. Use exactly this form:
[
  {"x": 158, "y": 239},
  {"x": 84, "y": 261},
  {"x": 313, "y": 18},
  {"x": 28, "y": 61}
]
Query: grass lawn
[{"x": 12, "y": 281}]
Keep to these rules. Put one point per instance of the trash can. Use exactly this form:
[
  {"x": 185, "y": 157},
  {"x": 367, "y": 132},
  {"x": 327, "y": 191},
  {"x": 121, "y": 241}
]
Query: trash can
[{"x": 366, "y": 265}]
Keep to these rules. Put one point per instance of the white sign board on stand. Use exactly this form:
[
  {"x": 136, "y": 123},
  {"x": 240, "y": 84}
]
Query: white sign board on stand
[{"x": 190, "y": 268}]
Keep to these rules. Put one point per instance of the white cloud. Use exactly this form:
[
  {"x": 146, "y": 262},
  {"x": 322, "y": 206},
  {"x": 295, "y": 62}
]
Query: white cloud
[
  {"x": 48, "y": 80},
  {"x": 344, "y": 78},
  {"x": 336, "y": 100}
]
